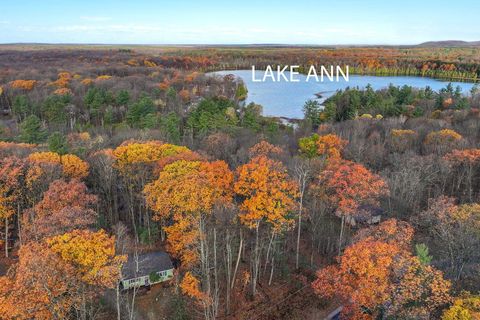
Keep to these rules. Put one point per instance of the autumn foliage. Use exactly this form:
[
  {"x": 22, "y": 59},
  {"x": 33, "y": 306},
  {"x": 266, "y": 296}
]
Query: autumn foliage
[
  {"x": 246, "y": 224},
  {"x": 362, "y": 276},
  {"x": 41, "y": 286},
  {"x": 48, "y": 280},
  {"x": 349, "y": 185},
  {"x": 442, "y": 141},
  {"x": 64, "y": 207},
  {"x": 263, "y": 148},
  {"x": 467, "y": 156},
  {"x": 466, "y": 307},
  {"x": 72, "y": 165},
  {"x": 378, "y": 273},
  {"x": 26, "y": 85},
  {"x": 92, "y": 254},
  {"x": 191, "y": 286},
  {"x": 184, "y": 191},
  {"x": 269, "y": 194},
  {"x": 402, "y": 139},
  {"x": 329, "y": 146}
]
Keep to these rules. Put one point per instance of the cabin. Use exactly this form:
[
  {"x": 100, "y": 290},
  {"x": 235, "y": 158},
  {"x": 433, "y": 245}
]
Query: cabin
[
  {"x": 335, "y": 314},
  {"x": 366, "y": 215},
  {"x": 146, "y": 269}
]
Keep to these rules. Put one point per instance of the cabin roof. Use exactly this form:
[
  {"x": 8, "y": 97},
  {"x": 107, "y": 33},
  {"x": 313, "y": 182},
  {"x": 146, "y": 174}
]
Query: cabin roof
[
  {"x": 147, "y": 263},
  {"x": 371, "y": 210}
]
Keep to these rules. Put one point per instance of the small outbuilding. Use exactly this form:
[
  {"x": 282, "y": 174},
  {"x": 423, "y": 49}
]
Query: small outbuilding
[{"x": 146, "y": 269}]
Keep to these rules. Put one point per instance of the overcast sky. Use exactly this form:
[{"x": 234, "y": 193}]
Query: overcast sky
[{"x": 238, "y": 22}]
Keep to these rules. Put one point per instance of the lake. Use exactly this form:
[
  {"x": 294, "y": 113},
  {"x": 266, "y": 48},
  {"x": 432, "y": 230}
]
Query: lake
[{"x": 286, "y": 99}]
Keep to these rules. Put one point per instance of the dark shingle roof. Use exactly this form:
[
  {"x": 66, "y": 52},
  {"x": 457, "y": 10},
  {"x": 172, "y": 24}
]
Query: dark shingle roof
[{"x": 147, "y": 263}]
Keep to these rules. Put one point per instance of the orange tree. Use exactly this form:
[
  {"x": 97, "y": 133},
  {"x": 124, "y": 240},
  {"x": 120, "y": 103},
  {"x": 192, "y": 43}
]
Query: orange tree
[
  {"x": 40, "y": 286},
  {"x": 268, "y": 198},
  {"x": 186, "y": 193},
  {"x": 418, "y": 290},
  {"x": 64, "y": 206},
  {"x": 378, "y": 275},
  {"x": 264, "y": 148},
  {"x": 348, "y": 185},
  {"x": 362, "y": 277},
  {"x": 60, "y": 276}
]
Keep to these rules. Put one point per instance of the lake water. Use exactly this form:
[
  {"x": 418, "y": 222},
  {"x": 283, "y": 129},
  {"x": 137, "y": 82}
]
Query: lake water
[{"x": 286, "y": 99}]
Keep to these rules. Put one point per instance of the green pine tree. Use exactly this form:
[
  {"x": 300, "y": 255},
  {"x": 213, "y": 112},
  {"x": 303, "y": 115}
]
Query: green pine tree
[
  {"x": 57, "y": 143},
  {"x": 31, "y": 130},
  {"x": 421, "y": 251}
]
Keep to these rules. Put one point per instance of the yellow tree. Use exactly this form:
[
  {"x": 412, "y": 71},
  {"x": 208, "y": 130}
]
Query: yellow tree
[
  {"x": 136, "y": 162},
  {"x": 186, "y": 192},
  {"x": 91, "y": 253},
  {"x": 329, "y": 146},
  {"x": 55, "y": 277},
  {"x": 402, "y": 139},
  {"x": 268, "y": 197},
  {"x": 465, "y": 307},
  {"x": 420, "y": 291},
  {"x": 442, "y": 141},
  {"x": 72, "y": 165}
]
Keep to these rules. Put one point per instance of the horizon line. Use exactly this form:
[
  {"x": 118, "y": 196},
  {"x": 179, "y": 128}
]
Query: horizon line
[{"x": 468, "y": 43}]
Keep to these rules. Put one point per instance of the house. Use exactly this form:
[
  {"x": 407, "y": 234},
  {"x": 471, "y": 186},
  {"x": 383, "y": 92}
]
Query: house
[
  {"x": 365, "y": 215},
  {"x": 335, "y": 314},
  {"x": 146, "y": 269}
]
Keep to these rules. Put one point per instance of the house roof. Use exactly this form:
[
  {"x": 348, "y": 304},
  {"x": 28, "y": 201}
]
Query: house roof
[
  {"x": 371, "y": 210},
  {"x": 147, "y": 263}
]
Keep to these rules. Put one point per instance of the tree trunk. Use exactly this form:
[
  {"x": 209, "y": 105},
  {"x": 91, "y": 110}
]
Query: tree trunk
[
  {"x": 19, "y": 223},
  {"x": 132, "y": 214},
  {"x": 268, "y": 251},
  {"x": 132, "y": 311},
  {"x": 205, "y": 267},
  {"x": 302, "y": 173},
  {"x": 228, "y": 270},
  {"x": 240, "y": 246},
  {"x": 297, "y": 257},
  {"x": 6, "y": 237},
  {"x": 271, "y": 270},
  {"x": 215, "y": 275},
  {"x": 341, "y": 235},
  {"x": 256, "y": 261},
  {"x": 118, "y": 302}
]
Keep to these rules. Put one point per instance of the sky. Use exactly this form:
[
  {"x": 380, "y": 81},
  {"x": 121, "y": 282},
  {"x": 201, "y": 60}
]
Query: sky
[{"x": 239, "y": 22}]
